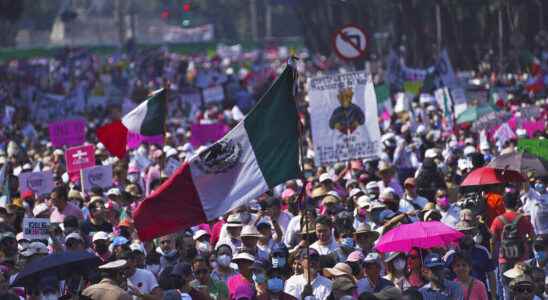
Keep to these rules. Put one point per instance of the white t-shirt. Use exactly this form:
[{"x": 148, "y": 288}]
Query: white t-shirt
[
  {"x": 321, "y": 286},
  {"x": 143, "y": 280},
  {"x": 536, "y": 206},
  {"x": 325, "y": 249},
  {"x": 451, "y": 216},
  {"x": 293, "y": 229},
  {"x": 406, "y": 206}
]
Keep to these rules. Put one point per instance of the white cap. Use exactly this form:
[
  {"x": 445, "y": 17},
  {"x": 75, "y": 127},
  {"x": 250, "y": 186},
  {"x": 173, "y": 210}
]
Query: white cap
[
  {"x": 114, "y": 192},
  {"x": 354, "y": 192},
  {"x": 244, "y": 256},
  {"x": 469, "y": 150},
  {"x": 39, "y": 209},
  {"x": 364, "y": 201},
  {"x": 74, "y": 235},
  {"x": 199, "y": 233},
  {"x": 372, "y": 257},
  {"x": 58, "y": 152},
  {"x": 117, "y": 264},
  {"x": 99, "y": 235},
  {"x": 324, "y": 177},
  {"x": 137, "y": 247},
  {"x": 170, "y": 152}
]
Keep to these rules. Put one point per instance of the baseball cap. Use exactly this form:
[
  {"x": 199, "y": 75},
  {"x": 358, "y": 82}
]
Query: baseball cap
[
  {"x": 74, "y": 235},
  {"x": 243, "y": 256},
  {"x": 114, "y": 192},
  {"x": 99, "y": 235},
  {"x": 433, "y": 260},
  {"x": 372, "y": 185},
  {"x": 199, "y": 233},
  {"x": 355, "y": 192},
  {"x": 355, "y": 256},
  {"x": 325, "y": 177},
  {"x": 119, "y": 241},
  {"x": 114, "y": 265},
  {"x": 372, "y": 257}
]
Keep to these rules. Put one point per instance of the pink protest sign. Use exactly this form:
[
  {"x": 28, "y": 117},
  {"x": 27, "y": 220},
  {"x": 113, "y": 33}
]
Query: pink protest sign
[
  {"x": 135, "y": 139},
  {"x": 203, "y": 134},
  {"x": 79, "y": 158},
  {"x": 67, "y": 132}
]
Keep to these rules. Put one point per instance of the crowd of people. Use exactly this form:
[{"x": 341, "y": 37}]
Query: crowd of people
[{"x": 310, "y": 238}]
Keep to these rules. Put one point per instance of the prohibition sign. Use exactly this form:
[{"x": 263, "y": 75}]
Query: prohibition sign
[{"x": 350, "y": 42}]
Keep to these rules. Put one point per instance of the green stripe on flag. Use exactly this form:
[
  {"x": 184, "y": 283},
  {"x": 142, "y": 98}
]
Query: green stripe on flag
[
  {"x": 272, "y": 130},
  {"x": 155, "y": 118}
]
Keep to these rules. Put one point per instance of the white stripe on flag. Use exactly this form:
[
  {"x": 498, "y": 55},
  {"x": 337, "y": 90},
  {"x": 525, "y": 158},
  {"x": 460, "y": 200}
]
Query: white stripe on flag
[
  {"x": 134, "y": 119},
  {"x": 222, "y": 192}
]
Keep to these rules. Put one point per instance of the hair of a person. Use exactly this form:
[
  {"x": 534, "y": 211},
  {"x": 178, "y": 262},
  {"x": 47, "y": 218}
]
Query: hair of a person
[
  {"x": 61, "y": 191},
  {"x": 459, "y": 256},
  {"x": 511, "y": 200},
  {"x": 200, "y": 258},
  {"x": 324, "y": 220}
]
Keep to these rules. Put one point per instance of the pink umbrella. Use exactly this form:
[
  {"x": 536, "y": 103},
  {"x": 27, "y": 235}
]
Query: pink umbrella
[{"x": 420, "y": 235}]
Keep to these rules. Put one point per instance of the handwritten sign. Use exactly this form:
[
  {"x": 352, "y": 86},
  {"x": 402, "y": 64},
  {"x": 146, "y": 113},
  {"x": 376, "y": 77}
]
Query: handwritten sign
[
  {"x": 35, "y": 228},
  {"x": 97, "y": 176},
  {"x": 39, "y": 183},
  {"x": 79, "y": 158},
  {"x": 67, "y": 132}
]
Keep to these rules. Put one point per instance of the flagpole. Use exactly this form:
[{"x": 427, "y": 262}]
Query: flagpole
[{"x": 292, "y": 63}]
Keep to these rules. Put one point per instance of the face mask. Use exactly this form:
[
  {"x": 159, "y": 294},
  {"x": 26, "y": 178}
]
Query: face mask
[
  {"x": 540, "y": 255},
  {"x": 275, "y": 285},
  {"x": 442, "y": 202},
  {"x": 259, "y": 278},
  {"x": 202, "y": 247},
  {"x": 347, "y": 242},
  {"x": 154, "y": 268},
  {"x": 133, "y": 178},
  {"x": 278, "y": 262},
  {"x": 540, "y": 187},
  {"x": 399, "y": 264},
  {"x": 224, "y": 260},
  {"x": 478, "y": 238}
]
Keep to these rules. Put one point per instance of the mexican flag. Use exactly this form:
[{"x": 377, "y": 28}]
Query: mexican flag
[
  {"x": 258, "y": 154},
  {"x": 147, "y": 120}
]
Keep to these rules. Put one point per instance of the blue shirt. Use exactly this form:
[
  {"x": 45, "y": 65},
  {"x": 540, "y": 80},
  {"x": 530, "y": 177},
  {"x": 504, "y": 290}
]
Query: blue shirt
[{"x": 452, "y": 291}]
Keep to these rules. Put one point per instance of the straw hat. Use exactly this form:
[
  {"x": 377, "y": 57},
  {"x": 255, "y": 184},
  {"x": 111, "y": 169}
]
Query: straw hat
[{"x": 340, "y": 269}]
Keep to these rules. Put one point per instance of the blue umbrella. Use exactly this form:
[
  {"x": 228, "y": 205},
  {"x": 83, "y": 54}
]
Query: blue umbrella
[{"x": 61, "y": 264}]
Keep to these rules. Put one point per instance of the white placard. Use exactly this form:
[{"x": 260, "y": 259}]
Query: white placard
[
  {"x": 35, "y": 228},
  {"x": 344, "y": 119},
  {"x": 39, "y": 183},
  {"x": 98, "y": 176}
]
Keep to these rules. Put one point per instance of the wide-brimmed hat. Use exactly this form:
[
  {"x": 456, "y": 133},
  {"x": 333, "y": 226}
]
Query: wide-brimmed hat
[
  {"x": 319, "y": 191},
  {"x": 364, "y": 228},
  {"x": 465, "y": 226},
  {"x": 340, "y": 269},
  {"x": 330, "y": 199},
  {"x": 234, "y": 220},
  {"x": 243, "y": 256},
  {"x": 250, "y": 231}
]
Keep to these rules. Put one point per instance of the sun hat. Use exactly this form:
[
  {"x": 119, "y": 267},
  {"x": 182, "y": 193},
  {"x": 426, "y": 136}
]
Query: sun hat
[
  {"x": 234, "y": 220},
  {"x": 250, "y": 231},
  {"x": 199, "y": 233},
  {"x": 340, "y": 269},
  {"x": 100, "y": 235},
  {"x": 325, "y": 177},
  {"x": 243, "y": 256}
]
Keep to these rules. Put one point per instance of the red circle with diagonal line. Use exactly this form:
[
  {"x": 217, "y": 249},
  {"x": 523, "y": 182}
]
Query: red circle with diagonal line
[{"x": 350, "y": 42}]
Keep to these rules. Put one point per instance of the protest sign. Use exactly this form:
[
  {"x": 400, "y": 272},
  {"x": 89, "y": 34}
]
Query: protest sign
[
  {"x": 97, "y": 176},
  {"x": 67, "y": 132},
  {"x": 491, "y": 120},
  {"x": 171, "y": 165},
  {"x": 213, "y": 94},
  {"x": 79, "y": 158},
  {"x": 134, "y": 140},
  {"x": 503, "y": 134},
  {"x": 39, "y": 183},
  {"x": 443, "y": 100},
  {"x": 343, "y": 110},
  {"x": 203, "y": 134},
  {"x": 35, "y": 228},
  {"x": 536, "y": 147}
]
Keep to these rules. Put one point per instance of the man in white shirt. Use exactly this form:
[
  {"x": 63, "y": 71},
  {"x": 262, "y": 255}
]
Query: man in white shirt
[
  {"x": 275, "y": 212},
  {"x": 320, "y": 286},
  {"x": 140, "y": 282},
  {"x": 326, "y": 243},
  {"x": 410, "y": 201}
]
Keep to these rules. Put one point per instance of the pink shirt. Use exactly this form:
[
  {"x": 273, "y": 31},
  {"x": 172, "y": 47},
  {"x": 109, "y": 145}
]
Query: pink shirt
[
  {"x": 479, "y": 292},
  {"x": 234, "y": 282},
  {"x": 70, "y": 210}
]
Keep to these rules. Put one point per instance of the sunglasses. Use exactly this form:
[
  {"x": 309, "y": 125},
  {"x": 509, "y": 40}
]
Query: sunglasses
[{"x": 524, "y": 289}]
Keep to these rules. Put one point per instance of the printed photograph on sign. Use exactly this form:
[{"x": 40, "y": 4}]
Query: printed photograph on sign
[{"x": 343, "y": 110}]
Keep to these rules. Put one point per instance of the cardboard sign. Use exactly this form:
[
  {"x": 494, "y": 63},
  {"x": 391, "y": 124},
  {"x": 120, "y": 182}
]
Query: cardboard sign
[
  {"x": 171, "y": 165},
  {"x": 97, "y": 176},
  {"x": 214, "y": 94},
  {"x": 67, "y": 132},
  {"x": 134, "y": 140},
  {"x": 39, "y": 183},
  {"x": 343, "y": 111},
  {"x": 79, "y": 158},
  {"x": 35, "y": 228}
]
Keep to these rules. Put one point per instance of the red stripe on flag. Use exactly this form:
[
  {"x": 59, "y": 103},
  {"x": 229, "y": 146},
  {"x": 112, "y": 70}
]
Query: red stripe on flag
[
  {"x": 174, "y": 206},
  {"x": 114, "y": 137}
]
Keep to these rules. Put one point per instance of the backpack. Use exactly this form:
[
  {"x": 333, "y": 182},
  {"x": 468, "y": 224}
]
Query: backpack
[{"x": 512, "y": 243}]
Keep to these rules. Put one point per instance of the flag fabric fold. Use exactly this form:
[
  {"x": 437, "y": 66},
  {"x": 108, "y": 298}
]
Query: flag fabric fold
[
  {"x": 258, "y": 154},
  {"x": 147, "y": 119}
]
